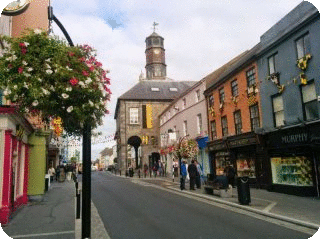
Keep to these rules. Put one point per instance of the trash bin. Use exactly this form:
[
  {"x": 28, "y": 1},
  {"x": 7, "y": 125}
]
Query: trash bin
[
  {"x": 46, "y": 184},
  {"x": 243, "y": 190}
]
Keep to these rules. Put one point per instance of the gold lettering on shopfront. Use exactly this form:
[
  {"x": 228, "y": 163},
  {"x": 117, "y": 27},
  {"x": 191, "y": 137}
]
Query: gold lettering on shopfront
[{"x": 296, "y": 138}]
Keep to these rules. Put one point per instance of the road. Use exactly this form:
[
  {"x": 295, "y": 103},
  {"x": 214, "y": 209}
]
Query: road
[{"x": 133, "y": 210}]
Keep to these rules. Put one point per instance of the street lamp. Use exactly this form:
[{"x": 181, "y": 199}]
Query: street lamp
[{"x": 86, "y": 152}]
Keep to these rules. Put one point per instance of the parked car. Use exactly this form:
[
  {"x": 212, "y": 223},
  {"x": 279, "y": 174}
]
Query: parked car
[{"x": 94, "y": 168}]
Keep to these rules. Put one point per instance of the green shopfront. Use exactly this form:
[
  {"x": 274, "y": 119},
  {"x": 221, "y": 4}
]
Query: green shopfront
[{"x": 294, "y": 156}]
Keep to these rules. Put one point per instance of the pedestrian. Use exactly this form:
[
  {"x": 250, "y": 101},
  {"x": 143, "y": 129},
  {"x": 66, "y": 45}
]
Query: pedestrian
[
  {"x": 51, "y": 172},
  {"x": 192, "y": 170},
  {"x": 187, "y": 178},
  {"x": 199, "y": 174},
  {"x": 57, "y": 173},
  {"x": 183, "y": 175},
  {"x": 68, "y": 172},
  {"x": 155, "y": 169},
  {"x": 230, "y": 173},
  {"x": 145, "y": 168}
]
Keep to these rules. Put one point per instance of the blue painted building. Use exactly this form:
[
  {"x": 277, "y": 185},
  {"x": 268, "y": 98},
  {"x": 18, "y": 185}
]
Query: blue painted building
[{"x": 289, "y": 73}]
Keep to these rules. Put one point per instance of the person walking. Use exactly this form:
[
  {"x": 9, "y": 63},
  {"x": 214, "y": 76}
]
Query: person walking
[
  {"x": 199, "y": 174},
  {"x": 145, "y": 168},
  {"x": 51, "y": 172},
  {"x": 57, "y": 173},
  {"x": 230, "y": 173},
  {"x": 192, "y": 170},
  {"x": 183, "y": 175}
]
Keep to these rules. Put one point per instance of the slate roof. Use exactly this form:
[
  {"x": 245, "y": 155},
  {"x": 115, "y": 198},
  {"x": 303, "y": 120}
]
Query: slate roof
[{"x": 142, "y": 91}]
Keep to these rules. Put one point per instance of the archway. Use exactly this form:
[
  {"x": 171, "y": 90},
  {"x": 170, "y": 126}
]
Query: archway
[{"x": 135, "y": 142}]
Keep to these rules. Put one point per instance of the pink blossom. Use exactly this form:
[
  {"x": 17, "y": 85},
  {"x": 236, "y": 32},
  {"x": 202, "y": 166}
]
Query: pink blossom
[
  {"x": 22, "y": 45},
  {"x": 20, "y": 70},
  {"x": 73, "y": 81},
  {"x": 71, "y": 53},
  {"x": 91, "y": 68},
  {"x": 85, "y": 73},
  {"x": 23, "y": 51}
]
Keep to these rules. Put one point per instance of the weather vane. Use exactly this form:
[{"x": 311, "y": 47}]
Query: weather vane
[{"x": 154, "y": 26}]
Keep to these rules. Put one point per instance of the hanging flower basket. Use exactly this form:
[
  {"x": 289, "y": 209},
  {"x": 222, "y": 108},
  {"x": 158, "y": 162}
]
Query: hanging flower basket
[
  {"x": 43, "y": 74},
  {"x": 212, "y": 112},
  {"x": 302, "y": 63},
  {"x": 303, "y": 79},
  {"x": 187, "y": 148}
]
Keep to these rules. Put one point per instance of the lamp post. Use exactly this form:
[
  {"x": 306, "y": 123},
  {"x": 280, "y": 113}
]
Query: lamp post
[{"x": 86, "y": 152}]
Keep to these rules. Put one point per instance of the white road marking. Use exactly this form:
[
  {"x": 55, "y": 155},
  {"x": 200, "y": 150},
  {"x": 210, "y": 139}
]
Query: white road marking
[
  {"x": 43, "y": 234},
  {"x": 269, "y": 207}
]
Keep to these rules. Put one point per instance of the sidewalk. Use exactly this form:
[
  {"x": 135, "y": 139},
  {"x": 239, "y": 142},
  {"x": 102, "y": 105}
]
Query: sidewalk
[
  {"x": 52, "y": 217},
  {"x": 303, "y": 211}
]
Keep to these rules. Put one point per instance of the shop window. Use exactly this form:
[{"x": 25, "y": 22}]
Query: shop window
[
  {"x": 224, "y": 125},
  {"x": 213, "y": 129},
  {"x": 221, "y": 159},
  {"x": 234, "y": 88},
  {"x": 254, "y": 117},
  {"x": 296, "y": 171},
  {"x": 278, "y": 110},
  {"x": 238, "y": 122},
  {"x": 303, "y": 46},
  {"x": 246, "y": 165},
  {"x": 310, "y": 103}
]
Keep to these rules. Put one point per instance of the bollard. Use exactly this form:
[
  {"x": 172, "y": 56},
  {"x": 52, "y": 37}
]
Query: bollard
[
  {"x": 77, "y": 185},
  {"x": 78, "y": 206}
]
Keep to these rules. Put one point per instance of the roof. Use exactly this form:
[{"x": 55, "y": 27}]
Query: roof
[
  {"x": 143, "y": 91},
  {"x": 154, "y": 34}
]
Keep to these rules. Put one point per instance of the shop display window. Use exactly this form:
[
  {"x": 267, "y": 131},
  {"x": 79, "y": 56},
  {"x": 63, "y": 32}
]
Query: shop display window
[
  {"x": 246, "y": 166},
  {"x": 222, "y": 158},
  {"x": 295, "y": 171}
]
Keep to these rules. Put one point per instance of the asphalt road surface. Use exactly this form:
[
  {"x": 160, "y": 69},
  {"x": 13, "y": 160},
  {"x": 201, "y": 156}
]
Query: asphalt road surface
[{"x": 131, "y": 210}]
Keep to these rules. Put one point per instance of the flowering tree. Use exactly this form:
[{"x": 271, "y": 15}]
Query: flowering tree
[{"x": 43, "y": 75}]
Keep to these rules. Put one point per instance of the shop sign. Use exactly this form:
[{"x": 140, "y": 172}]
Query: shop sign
[
  {"x": 217, "y": 147},
  {"x": 242, "y": 142},
  {"x": 295, "y": 138},
  {"x": 16, "y": 7}
]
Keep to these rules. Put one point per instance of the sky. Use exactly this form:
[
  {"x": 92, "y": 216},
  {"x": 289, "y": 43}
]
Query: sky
[{"x": 199, "y": 36}]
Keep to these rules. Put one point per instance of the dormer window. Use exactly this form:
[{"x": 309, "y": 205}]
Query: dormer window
[
  {"x": 155, "y": 89},
  {"x": 173, "y": 89}
]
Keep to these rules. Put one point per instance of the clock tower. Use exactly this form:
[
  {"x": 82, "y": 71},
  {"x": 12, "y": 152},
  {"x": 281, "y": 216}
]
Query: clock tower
[{"x": 155, "y": 55}]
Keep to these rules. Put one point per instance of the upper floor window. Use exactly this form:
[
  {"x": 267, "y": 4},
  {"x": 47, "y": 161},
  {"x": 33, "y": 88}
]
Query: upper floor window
[
  {"x": 310, "y": 104},
  {"x": 169, "y": 114},
  {"x": 184, "y": 103},
  {"x": 221, "y": 95},
  {"x": 254, "y": 117},
  {"x": 224, "y": 125},
  {"x": 251, "y": 78},
  {"x": 199, "y": 123},
  {"x": 303, "y": 46},
  {"x": 185, "y": 128},
  {"x": 278, "y": 110},
  {"x": 272, "y": 63},
  {"x": 213, "y": 129},
  {"x": 197, "y": 95},
  {"x": 134, "y": 115},
  {"x": 237, "y": 121},
  {"x": 234, "y": 88},
  {"x": 211, "y": 100},
  {"x": 155, "y": 89}
]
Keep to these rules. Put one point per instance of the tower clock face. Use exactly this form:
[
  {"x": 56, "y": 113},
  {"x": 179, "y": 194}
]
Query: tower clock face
[
  {"x": 156, "y": 51},
  {"x": 16, "y": 7}
]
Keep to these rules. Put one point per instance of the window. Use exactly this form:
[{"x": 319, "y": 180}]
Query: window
[
  {"x": 251, "y": 79},
  {"x": 155, "y": 89},
  {"x": 213, "y": 129},
  {"x": 169, "y": 115},
  {"x": 234, "y": 88},
  {"x": 184, "y": 103},
  {"x": 211, "y": 100},
  {"x": 221, "y": 95},
  {"x": 238, "y": 122},
  {"x": 303, "y": 46},
  {"x": 310, "y": 103},
  {"x": 278, "y": 111},
  {"x": 254, "y": 117},
  {"x": 197, "y": 95},
  {"x": 173, "y": 89},
  {"x": 185, "y": 128},
  {"x": 199, "y": 122},
  {"x": 272, "y": 64},
  {"x": 134, "y": 115},
  {"x": 224, "y": 125}
]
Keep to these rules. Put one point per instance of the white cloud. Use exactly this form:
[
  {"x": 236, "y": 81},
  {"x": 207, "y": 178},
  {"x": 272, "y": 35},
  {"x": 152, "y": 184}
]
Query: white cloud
[{"x": 199, "y": 36}]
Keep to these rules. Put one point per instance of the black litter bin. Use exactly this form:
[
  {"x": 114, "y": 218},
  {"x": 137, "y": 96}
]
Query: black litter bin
[
  {"x": 243, "y": 190},
  {"x": 46, "y": 184}
]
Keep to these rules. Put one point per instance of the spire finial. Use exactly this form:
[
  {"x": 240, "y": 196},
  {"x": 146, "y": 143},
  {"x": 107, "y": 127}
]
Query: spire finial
[{"x": 154, "y": 26}]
